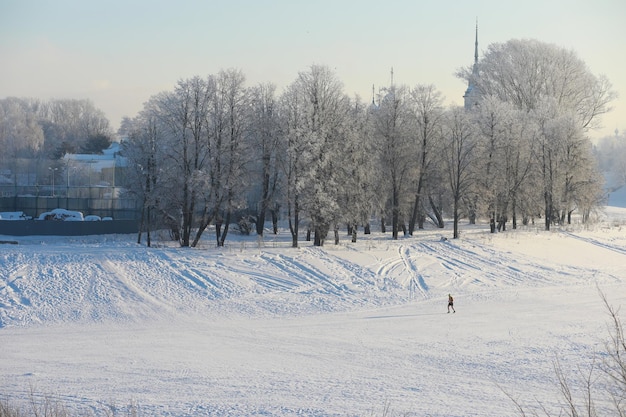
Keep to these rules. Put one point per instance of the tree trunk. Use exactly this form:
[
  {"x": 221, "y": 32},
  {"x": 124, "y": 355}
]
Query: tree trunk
[
  {"x": 395, "y": 213},
  {"x": 226, "y": 227},
  {"x": 455, "y": 233},
  {"x": 414, "y": 214},
  {"x": 320, "y": 234},
  {"x": 260, "y": 220},
  {"x": 141, "y": 221},
  {"x": 502, "y": 223},
  {"x": 206, "y": 219},
  {"x": 188, "y": 212},
  {"x": 294, "y": 227},
  {"x": 472, "y": 216},
  {"x": 548, "y": 208},
  {"x": 148, "y": 228},
  {"x": 218, "y": 231},
  {"x": 436, "y": 212},
  {"x": 317, "y": 239},
  {"x": 514, "y": 214},
  {"x": 275, "y": 220},
  {"x": 394, "y": 223}
]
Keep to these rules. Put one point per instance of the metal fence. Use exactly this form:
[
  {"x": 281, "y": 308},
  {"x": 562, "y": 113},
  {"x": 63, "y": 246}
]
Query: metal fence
[{"x": 93, "y": 200}]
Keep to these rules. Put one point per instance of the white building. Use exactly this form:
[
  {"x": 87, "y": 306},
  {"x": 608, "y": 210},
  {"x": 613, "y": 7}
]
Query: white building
[{"x": 95, "y": 170}]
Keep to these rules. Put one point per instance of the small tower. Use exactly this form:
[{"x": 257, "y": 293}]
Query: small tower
[{"x": 472, "y": 95}]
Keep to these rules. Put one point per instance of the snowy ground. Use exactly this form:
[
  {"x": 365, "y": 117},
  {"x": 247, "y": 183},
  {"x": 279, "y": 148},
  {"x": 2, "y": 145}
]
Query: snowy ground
[{"x": 266, "y": 330}]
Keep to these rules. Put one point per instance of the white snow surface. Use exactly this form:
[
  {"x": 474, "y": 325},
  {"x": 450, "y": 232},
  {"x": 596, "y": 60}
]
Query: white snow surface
[{"x": 102, "y": 324}]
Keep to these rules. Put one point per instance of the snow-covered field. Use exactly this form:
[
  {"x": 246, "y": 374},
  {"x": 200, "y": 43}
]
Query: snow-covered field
[{"x": 261, "y": 329}]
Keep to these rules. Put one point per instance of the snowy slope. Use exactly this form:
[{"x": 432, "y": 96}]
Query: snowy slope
[{"x": 267, "y": 330}]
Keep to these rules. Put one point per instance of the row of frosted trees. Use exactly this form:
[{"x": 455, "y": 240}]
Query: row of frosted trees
[
  {"x": 213, "y": 148},
  {"x": 36, "y": 134},
  {"x": 32, "y": 128}
]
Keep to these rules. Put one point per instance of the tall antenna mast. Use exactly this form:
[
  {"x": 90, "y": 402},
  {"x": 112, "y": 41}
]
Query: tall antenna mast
[{"x": 392, "y": 76}]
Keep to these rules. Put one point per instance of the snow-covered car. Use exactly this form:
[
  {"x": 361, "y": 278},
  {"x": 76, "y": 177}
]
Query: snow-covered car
[
  {"x": 92, "y": 218},
  {"x": 14, "y": 215},
  {"x": 62, "y": 215}
]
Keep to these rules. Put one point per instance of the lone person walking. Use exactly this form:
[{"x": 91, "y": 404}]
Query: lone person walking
[{"x": 451, "y": 304}]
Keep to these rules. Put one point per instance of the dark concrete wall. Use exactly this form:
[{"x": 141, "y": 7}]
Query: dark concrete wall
[{"x": 66, "y": 228}]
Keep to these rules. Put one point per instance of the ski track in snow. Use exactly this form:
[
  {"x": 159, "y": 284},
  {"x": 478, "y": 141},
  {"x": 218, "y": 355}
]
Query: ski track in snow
[
  {"x": 619, "y": 248},
  {"x": 98, "y": 281},
  {"x": 416, "y": 280}
]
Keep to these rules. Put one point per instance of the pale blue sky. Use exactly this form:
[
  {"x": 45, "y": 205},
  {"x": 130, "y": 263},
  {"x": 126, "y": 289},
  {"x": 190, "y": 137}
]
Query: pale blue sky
[{"x": 119, "y": 53}]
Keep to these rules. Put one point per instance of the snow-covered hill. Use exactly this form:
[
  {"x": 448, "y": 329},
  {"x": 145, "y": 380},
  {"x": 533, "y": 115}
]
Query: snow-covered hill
[{"x": 261, "y": 329}]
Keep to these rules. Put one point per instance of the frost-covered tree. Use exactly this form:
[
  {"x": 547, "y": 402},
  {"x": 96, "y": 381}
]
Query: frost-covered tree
[
  {"x": 322, "y": 127},
  {"x": 505, "y": 159},
  {"x": 459, "y": 159},
  {"x": 567, "y": 169},
  {"x": 68, "y": 123},
  {"x": 358, "y": 188},
  {"x": 551, "y": 84},
  {"x": 265, "y": 139},
  {"x": 294, "y": 156},
  {"x": 392, "y": 125},
  {"x": 427, "y": 107},
  {"x": 611, "y": 154},
  {"x": 228, "y": 151},
  {"x": 201, "y": 127},
  {"x": 144, "y": 148},
  {"x": 526, "y": 72},
  {"x": 21, "y": 135},
  {"x": 582, "y": 185},
  {"x": 548, "y": 157},
  {"x": 181, "y": 114}
]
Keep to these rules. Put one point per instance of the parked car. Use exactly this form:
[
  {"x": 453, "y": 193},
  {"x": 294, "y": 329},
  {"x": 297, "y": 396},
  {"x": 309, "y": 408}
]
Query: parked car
[
  {"x": 14, "y": 215},
  {"x": 62, "y": 215}
]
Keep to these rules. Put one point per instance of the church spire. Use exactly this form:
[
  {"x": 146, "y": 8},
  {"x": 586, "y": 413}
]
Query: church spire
[
  {"x": 476, "y": 46},
  {"x": 471, "y": 94}
]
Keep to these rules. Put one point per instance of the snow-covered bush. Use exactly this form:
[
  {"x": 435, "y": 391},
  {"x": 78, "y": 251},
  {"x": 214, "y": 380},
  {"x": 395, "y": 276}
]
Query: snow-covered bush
[{"x": 245, "y": 225}]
